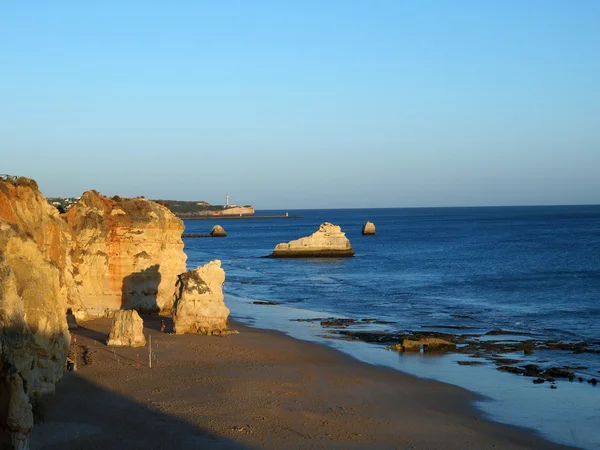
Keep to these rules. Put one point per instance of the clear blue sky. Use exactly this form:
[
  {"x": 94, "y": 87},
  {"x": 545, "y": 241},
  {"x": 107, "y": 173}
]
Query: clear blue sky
[{"x": 293, "y": 104}]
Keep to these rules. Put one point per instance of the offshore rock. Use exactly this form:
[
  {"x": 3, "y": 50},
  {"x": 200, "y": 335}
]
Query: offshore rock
[
  {"x": 327, "y": 241},
  {"x": 368, "y": 229},
  {"x": 127, "y": 330},
  {"x": 218, "y": 231},
  {"x": 22, "y": 204},
  {"x": 127, "y": 253},
  {"x": 33, "y": 331},
  {"x": 199, "y": 306}
]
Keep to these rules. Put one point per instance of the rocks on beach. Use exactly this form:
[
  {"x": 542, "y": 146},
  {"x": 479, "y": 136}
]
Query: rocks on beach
[
  {"x": 368, "y": 229},
  {"x": 327, "y": 241},
  {"x": 199, "y": 306},
  {"x": 127, "y": 330}
]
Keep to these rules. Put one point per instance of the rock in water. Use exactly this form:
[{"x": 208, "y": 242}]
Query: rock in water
[
  {"x": 218, "y": 231},
  {"x": 199, "y": 306},
  {"x": 368, "y": 229},
  {"x": 127, "y": 330},
  {"x": 327, "y": 241},
  {"x": 429, "y": 344}
]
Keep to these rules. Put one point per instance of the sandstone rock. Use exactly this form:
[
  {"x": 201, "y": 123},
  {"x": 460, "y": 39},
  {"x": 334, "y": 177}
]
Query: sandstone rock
[
  {"x": 127, "y": 330},
  {"x": 429, "y": 345},
  {"x": 218, "y": 231},
  {"x": 33, "y": 331},
  {"x": 199, "y": 306},
  {"x": 22, "y": 204},
  {"x": 327, "y": 241},
  {"x": 127, "y": 253},
  {"x": 368, "y": 229}
]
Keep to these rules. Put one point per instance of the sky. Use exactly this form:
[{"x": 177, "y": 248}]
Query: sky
[{"x": 305, "y": 104}]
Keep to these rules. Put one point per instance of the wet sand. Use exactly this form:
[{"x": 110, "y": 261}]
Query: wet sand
[{"x": 256, "y": 389}]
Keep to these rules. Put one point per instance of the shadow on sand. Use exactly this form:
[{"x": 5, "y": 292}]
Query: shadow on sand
[{"x": 84, "y": 416}]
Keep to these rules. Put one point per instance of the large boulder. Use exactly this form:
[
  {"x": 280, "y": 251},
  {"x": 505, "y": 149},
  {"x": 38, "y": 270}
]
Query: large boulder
[
  {"x": 127, "y": 330},
  {"x": 327, "y": 241},
  {"x": 218, "y": 231},
  {"x": 368, "y": 229},
  {"x": 199, "y": 306},
  {"x": 127, "y": 253}
]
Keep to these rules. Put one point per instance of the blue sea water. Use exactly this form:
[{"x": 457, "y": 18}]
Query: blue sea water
[{"x": 530, "y": 270}]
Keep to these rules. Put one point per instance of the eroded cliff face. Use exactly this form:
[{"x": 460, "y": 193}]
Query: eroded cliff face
[
  {"x": 33, "y": 331},
  {"x": 22, "y": 204},
  {"x": 127, "y": 253}
]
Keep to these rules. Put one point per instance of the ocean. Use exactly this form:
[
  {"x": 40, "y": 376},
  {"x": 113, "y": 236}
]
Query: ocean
[{"x": 522, "y": 273}]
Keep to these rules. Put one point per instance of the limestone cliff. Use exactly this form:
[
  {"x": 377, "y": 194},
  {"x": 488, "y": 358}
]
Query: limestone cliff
[
  {"x": 33, "y": 331},
  {"x": 127, "y": 253},
  {"x": 327, "y": 241},
  {"x": 22, "y": 204},
  {"x": 199, "y": 306}
]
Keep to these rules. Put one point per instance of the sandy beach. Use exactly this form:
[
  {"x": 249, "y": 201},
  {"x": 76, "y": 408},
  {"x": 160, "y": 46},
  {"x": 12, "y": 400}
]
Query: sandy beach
[{"x": 256, "y": 389}]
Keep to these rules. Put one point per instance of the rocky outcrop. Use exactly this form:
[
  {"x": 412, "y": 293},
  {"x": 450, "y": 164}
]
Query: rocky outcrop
[
  {"x": 33, "y": 331},
  {"x": 127, "y": 330},
  {"x": 368, "y": 229},
  {"x": 127, "y": 253},
  {"x": 327, "y": 241},
  {"x": 199, "y": 306},
  {"x": 22, "y": 204},
  {"x": 218, "y": 231},
  {"x": 429, "y": 344}
]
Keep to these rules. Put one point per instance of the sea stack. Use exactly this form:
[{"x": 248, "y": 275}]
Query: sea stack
[
  {"x": 199, "y": 306},
  {"x": 218, "y": 231},
  {"x": 368, "y": 229},
  {"x": 327, "y": 241}
]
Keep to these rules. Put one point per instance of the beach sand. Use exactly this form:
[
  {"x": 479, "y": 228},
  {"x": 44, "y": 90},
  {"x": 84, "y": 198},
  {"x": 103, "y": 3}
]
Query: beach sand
[{"x": 256, "y": 389}]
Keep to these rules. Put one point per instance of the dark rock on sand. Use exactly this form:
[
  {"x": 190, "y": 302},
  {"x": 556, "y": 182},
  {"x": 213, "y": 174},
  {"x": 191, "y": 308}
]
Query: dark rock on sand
[{"x": 512, "y": 369}]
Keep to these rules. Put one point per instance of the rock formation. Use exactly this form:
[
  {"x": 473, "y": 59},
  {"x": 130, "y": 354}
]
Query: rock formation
[
  {"x": 127, "y": 253},
  {"x": 327, "y": 241},
  {"x": 218, "y": 231},
  {"x": 368, "y": 229},
  {"x": 429, "y": 344},
  {"x": 127, "y": 330},
  {"x": 22, "y": 204},
  {"x": 33, "y": 288},
  {"x": 199, "y": 306}
]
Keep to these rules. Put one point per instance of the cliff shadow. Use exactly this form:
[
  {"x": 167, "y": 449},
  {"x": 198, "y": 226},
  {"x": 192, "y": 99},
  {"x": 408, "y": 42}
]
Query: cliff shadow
[
  {"x": 84, "y": 415},
  {"x": 140, "y": 290}
]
